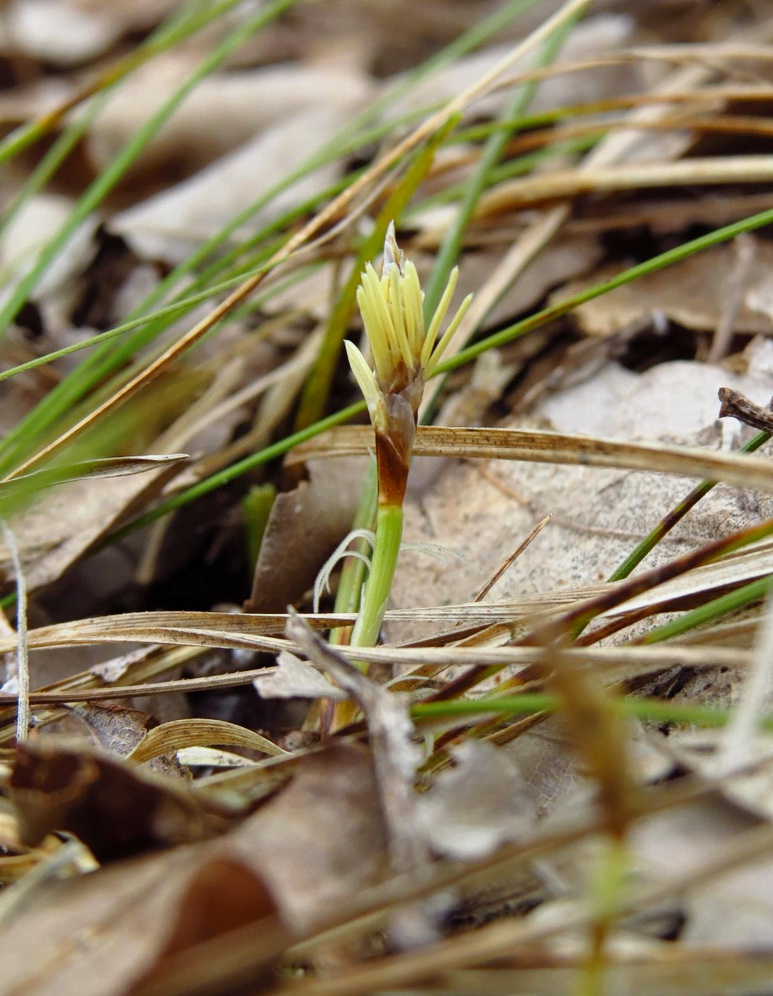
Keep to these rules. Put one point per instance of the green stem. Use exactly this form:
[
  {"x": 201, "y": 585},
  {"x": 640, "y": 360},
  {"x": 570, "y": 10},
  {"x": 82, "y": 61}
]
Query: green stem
[
  {"x": 353, "y": 571},
  {"x": 389, "y": 532}
]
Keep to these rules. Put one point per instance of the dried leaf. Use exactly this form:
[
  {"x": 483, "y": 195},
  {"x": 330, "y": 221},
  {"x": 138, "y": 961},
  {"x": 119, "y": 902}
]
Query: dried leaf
[
  {"x": 321, "y": 840},
  {"x": 174, "y": 223},
  {"x": 691, "y": 293},
  {"x": 114, "y": 810},
  {"x": 294, "y": 678},
  {"x": 598, "y": 515},
  {"x": 590, "y": 37},
  {"x": 225, "y": 110},
  {"x": 478, "y": 804},
  {"x": 178, "y": 734},
  {"x": 135, "y": 922},
  {"x": 304, "y": 527}
]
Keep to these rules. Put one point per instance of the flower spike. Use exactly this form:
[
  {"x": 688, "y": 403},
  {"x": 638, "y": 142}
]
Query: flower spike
[{"x": 405, "y": 354}]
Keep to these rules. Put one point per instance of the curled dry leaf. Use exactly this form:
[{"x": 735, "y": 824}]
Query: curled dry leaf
[
  {"x": 115, "y": 810},
  {"x": 294, "y": 678},
  {"x": 181, "y": 733}
]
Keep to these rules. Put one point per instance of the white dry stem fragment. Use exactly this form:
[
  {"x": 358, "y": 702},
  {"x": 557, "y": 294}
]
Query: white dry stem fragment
[
  {"x": 19, "y": 683},
  {"x": 737, "y": 745}
]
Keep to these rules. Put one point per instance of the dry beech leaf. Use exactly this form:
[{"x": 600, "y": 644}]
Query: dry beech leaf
[
  {"x": 115, "y": 810},
  {"x": 119, "y": 731},
  {"x": 304, "y": 527},
  {"x": 294, "y": 678},
  {"x": 561, "y": 260},
  {"x": 123, "y": 928}
]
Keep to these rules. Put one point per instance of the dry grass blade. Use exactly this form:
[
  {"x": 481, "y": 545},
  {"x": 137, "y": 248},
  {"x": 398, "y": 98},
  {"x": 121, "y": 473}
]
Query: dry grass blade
[
  {"x": 517, "y": 194},
  {"x": 193, "y": 628},
  {"x": 177, "y": 734},
  {"x": 552, "y": 447}
]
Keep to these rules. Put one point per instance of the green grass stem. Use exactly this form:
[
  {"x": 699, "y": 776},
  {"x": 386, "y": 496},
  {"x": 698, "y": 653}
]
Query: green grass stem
[{"x": 389, "y": 533}]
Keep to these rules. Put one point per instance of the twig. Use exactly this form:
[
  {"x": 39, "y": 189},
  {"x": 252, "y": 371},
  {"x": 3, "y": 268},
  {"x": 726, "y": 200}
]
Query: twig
[{"x": 733, "y": 404}]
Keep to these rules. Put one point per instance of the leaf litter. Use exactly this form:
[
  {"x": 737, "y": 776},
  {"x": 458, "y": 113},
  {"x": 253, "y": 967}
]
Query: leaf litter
[{"x": 435, "y": 841}]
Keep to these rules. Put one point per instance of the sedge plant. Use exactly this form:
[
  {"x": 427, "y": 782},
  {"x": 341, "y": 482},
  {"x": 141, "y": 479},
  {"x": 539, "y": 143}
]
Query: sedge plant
[{"x": 405, "y": 354}]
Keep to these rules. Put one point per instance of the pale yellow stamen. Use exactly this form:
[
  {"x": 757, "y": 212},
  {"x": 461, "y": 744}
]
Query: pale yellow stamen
[{"x": 392, "y": 308}]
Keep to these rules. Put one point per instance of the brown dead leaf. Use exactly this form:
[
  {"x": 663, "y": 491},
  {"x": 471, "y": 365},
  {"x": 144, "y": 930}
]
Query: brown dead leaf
[
  {"x": 134, "y": 926},
  {"x": 115, "y": 810},
  {"x": 126, "y": 928},
  {"x": 304, "y": 527},
  {"x": 322, "y": 840},
  {"x": 221, "y": 896},
  {"x": 119, "y": 731}
]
